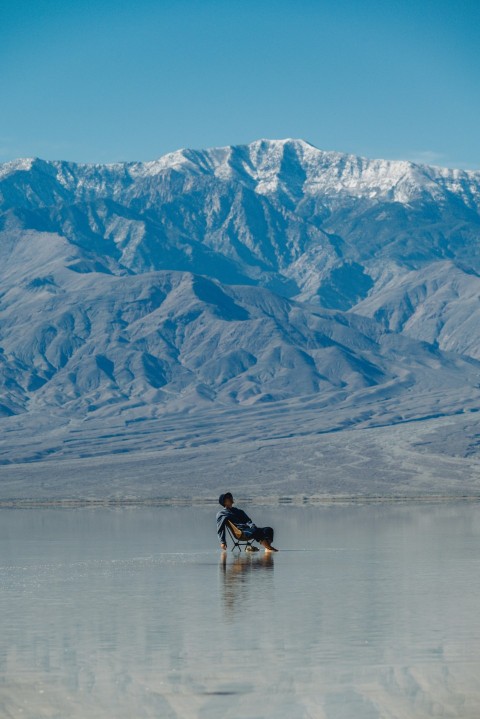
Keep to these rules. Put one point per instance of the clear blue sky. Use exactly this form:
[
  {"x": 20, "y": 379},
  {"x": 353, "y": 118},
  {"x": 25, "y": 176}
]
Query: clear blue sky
[{"x": 98, "y": 80}]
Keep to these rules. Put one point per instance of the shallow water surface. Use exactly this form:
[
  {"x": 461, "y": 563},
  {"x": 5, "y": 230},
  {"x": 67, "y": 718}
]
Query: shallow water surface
[{"x": 369, "y": 611}]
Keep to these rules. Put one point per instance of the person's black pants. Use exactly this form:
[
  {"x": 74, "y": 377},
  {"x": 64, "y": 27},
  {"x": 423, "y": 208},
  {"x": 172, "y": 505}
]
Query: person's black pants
[{"x": 263, "y": 533}]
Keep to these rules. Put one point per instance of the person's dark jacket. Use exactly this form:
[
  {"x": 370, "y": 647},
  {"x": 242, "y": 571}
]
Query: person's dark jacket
[{"x": 239, "y": 519}]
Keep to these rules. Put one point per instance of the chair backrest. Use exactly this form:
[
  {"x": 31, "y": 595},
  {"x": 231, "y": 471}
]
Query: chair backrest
[{"x": 237, "y": 533}]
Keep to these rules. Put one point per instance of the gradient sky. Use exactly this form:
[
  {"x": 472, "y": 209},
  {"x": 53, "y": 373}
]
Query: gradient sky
[{"x": 102, "y": 81}]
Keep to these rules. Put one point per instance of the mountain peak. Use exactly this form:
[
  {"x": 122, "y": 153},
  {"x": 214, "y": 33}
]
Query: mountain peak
[
  {"x": 22, "y": 164},
  {"x": 287, "y": 141}
]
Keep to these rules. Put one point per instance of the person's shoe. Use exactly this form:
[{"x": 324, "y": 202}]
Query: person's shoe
[{"x": 251, "y": 548}]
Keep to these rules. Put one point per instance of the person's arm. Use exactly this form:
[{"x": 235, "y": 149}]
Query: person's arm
[
  {"x": 221, "y": 530},
  {"x": 246, "y": 519}
]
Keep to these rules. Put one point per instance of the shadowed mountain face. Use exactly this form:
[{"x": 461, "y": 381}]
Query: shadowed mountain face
[{"x": 235, "y": 276}]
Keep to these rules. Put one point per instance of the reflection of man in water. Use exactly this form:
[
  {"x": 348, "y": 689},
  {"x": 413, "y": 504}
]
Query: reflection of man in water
[
  {"x": 263, "y": 535},
  {"x": 238, "y": 591}
]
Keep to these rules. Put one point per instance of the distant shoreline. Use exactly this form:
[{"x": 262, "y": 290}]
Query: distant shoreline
[{"x": 78, "y": 503}]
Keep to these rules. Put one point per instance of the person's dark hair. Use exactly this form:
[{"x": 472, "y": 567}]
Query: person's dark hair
[{"x": 222, "y": 498}]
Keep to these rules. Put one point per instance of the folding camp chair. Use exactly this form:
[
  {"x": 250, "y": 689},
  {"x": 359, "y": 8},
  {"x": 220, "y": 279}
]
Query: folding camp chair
[{"x": 239, "y": 538}]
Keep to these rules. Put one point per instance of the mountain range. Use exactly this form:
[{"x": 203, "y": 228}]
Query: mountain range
[{"x": 225, "y": 280}]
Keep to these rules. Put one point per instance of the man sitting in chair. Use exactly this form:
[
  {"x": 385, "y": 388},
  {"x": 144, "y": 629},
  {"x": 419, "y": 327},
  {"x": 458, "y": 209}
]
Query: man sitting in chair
[{"x": 263, "y": 535}]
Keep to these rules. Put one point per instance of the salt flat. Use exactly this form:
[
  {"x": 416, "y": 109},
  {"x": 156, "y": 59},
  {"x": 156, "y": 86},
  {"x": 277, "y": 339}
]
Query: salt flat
[
  {"x": 368, "y": 611},
  {"x": 264, "y": 453}
]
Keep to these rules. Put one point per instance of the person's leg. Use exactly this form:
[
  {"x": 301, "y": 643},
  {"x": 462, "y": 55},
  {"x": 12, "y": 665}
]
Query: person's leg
[
  {"x": 264, "y": 536},
  {"x": 268, "y": 532}
]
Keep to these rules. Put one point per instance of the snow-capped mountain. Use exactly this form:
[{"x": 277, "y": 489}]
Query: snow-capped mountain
[
  {"x": 318, "y": 226},
  {"x": 236, "y": 276}
]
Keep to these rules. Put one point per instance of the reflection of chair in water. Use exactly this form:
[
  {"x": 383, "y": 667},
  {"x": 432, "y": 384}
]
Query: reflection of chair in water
[
  {"x": 238, "y": 537},
  {"x": 237, "y": 576}
]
